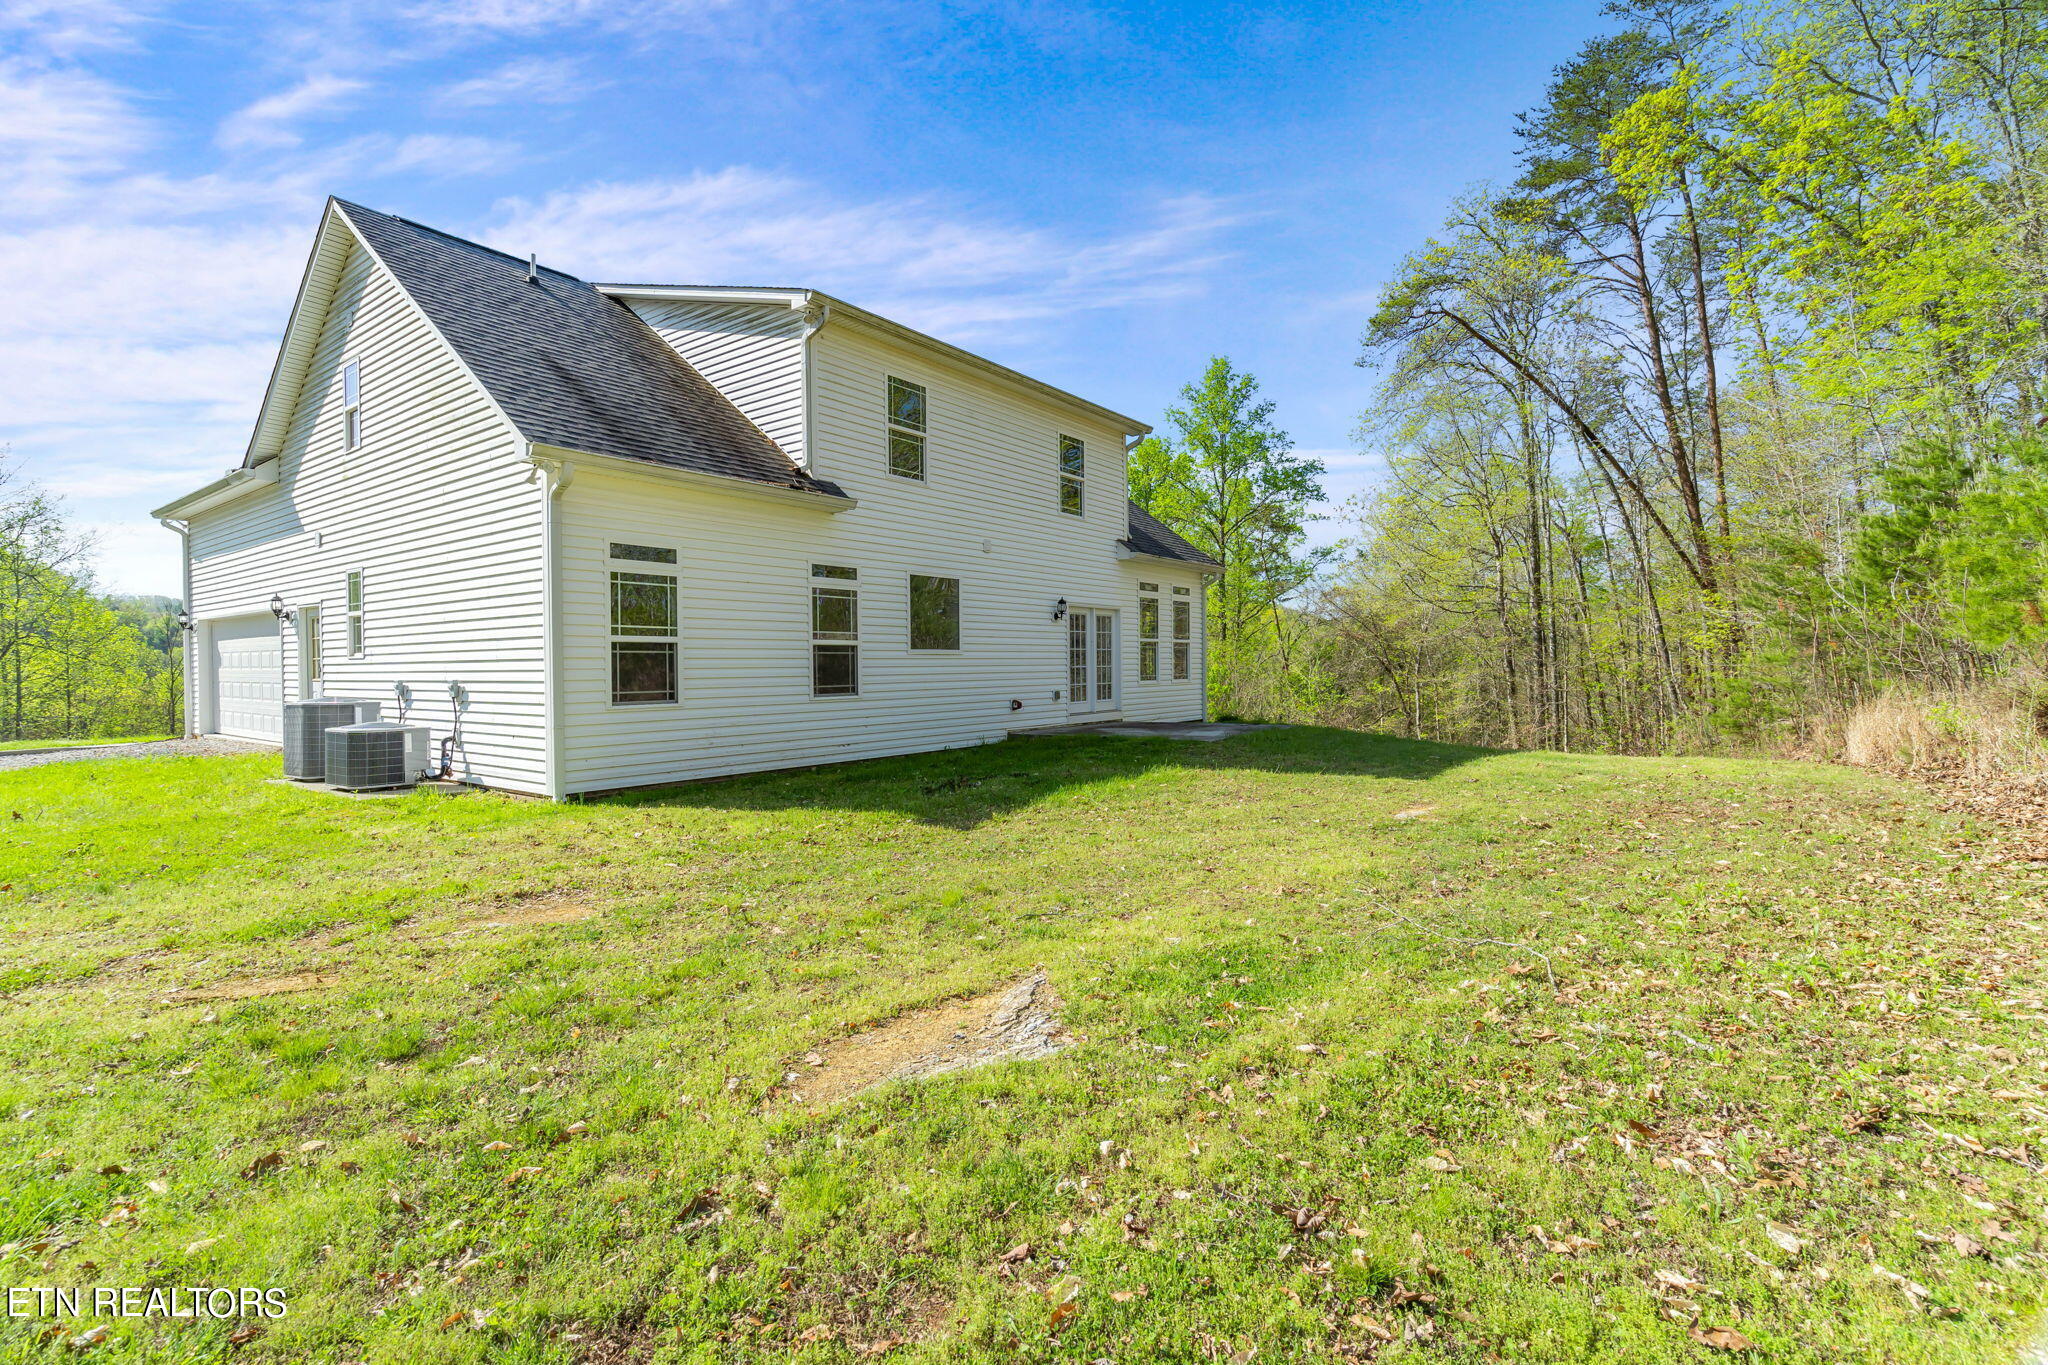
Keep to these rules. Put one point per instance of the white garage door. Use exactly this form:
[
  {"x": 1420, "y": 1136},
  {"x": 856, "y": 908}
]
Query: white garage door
[{"x": 248, "y": 688}]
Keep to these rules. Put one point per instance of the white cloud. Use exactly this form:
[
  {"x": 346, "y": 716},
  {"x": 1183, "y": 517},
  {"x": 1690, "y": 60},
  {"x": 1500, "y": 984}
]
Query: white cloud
[
  {"x": 529, "y": 16},
  {"x": 529, "y": 80},
  {"x": 914, "y": 257},
  {"x": 267, "y": 122},
  {"x": 445, "y": 154},
  {"x": 66, "y": 27},
  {"x": 59, "y": 128}
]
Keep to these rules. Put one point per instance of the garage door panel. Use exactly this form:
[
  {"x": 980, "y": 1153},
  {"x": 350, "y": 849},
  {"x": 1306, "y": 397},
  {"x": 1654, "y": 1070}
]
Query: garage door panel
[{"x": 248, "y": 685}]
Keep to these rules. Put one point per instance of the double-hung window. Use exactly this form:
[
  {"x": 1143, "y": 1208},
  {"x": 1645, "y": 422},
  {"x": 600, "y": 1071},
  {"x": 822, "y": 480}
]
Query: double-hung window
[
  {"x": 351, "y": 405},
  {"x": 643, "y": 624},
  {"x": 906, "y": 428},
  {"x": 1073, "y": 470},
  {"x": 934, "y": 612},
  {"x": 1148, "y": 632},
  {"x": 1183, "y": 632},
  {"x": 355, "y": 613},
  {"x": 835, "y": 631}
]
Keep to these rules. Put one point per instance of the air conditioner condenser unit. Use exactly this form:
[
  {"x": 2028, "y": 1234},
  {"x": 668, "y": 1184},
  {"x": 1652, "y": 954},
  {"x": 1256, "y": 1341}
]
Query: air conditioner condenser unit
[
  {"x": 376, "y": 754},
  {"x": 306, "y": 724}
]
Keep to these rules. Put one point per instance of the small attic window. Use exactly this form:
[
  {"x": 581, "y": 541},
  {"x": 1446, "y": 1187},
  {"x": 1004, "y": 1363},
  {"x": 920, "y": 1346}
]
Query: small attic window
[{"x": 351, "y": 405}]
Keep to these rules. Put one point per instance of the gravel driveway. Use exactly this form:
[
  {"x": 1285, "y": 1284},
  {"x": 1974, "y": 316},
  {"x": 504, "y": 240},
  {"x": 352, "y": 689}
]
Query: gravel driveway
[{"x": 156, "y": 748}]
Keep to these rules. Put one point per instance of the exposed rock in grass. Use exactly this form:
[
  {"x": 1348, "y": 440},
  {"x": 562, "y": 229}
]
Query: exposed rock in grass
[
  {"x": 1019, "y": 1022},
  {"x": 262, "y": 986},
  {"x": 541, "y": 912}
]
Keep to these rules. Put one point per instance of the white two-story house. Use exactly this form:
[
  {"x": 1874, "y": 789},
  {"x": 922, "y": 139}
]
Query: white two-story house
[{"x": 651, "y": 533}]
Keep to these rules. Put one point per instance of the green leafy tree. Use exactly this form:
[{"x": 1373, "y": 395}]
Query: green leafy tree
[{"x": 1228, "y": 480}]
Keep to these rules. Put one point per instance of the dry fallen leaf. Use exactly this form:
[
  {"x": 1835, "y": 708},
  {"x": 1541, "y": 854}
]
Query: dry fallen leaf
[
  {"x": 1723, "y": 1338},
  {"x": 1783, "y": 1238}
]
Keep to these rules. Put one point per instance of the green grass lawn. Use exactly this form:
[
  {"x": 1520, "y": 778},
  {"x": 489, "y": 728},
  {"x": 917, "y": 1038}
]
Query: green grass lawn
[{"x": 1789, "y": 1082}]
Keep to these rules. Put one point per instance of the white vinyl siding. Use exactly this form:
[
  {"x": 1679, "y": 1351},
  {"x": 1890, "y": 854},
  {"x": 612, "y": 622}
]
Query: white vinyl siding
[
  {"x": 443, "y": 519},
  {"x": 752, "y": 354},
  {"x": 984, "y": 516}
]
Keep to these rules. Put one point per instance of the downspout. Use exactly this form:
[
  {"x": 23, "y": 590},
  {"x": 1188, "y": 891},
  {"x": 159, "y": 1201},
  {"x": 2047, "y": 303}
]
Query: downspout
[
  {"x": 183, "y": 530},
  {"x": 815, "y": 318},
  {"x": 555, "y": 475}
]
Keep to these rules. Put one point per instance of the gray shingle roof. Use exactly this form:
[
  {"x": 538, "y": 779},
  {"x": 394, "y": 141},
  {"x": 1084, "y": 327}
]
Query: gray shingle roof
[
  {"x": 1151, "y": 536},
  {"x": 571, "y": 367}
]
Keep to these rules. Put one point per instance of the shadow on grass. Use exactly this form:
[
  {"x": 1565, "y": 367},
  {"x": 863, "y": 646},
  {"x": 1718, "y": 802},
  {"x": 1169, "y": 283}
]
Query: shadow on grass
[{"x": 964, "y": 788}]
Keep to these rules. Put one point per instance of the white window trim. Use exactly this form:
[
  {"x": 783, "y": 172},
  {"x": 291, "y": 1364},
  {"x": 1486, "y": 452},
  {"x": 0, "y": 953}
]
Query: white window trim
[
  {"x": 1176, "y": 640},
  {"x": 909, "y": 613},
  {"x": 892, "y": 429},
  {"x": 1080, "y": 480},
  {"x": 1158, "y": 625},
  {"x": 815, "y": 580},
  {"x": 611, "y": 566},
  {"x": 355, "y": 611},
  {"x": 312, "y": 683},
  {"x": 351, "y": 413}
]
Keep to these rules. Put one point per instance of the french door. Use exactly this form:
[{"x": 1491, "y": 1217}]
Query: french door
[{"x": 1091, "y": 661}]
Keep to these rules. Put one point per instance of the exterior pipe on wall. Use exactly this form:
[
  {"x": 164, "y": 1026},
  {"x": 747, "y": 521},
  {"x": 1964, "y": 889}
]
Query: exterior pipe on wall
[
  {"x": 183, "y": 530},
  {"x": 815, "y": 318},
  {"x": 555, "y": 475}
]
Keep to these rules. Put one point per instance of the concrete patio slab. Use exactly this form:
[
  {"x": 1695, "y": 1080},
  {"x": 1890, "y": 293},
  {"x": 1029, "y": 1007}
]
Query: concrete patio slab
[{"x": 1202, "y": 731}]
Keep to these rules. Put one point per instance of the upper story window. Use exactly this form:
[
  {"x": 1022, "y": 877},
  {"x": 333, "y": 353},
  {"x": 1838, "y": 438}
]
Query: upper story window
[
  {"x": 1073, "y": 471},
  {"x": 906, "y": 428},
  {"x": 351, "y": 405}
]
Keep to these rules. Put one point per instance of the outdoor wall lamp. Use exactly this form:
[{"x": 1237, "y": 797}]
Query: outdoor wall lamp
[
  {"x": 1059, "y": 610},
  {"x": 184, "y": 619},
  {"x": 284, "y": 614}
]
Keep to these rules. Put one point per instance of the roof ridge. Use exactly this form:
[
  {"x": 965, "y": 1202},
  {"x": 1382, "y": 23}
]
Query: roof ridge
[{"x": 351, "y": 206}]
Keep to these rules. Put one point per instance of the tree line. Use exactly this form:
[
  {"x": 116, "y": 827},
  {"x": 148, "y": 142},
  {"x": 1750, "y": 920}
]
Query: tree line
[
  {"x": 1722, "y": 411},
  {"x": 76, "y": 663}
]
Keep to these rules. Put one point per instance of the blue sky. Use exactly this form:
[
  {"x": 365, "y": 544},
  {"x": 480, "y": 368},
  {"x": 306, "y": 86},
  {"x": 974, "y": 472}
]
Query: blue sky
[{"x": 1102, "y": 197}]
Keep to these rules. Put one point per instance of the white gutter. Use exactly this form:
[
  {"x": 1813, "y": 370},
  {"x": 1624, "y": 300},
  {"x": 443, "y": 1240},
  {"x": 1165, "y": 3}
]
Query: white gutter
[
  {"x": 225, "y": 489},
  {"x": 1124, "y": 551},
  {"x": 712, "y": 483},
  {"x": 813, "y": 324},
  {"x": 188, "y": 634},
  {"x": 555, "y": 475}
]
